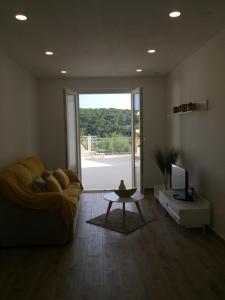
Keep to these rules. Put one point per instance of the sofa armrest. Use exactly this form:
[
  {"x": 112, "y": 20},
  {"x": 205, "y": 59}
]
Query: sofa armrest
[
  {"x": 72, "y": 176},
  {"x": 46, "y": 200}
]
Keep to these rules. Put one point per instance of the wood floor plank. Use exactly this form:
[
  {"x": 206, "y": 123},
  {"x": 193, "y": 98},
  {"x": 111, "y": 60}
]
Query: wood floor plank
[
  {"x": 95, "y": 244},
  {"x": 157, "y": 262}
]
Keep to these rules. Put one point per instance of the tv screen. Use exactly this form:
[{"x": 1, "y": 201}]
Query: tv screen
[
  {"x": 179, "y": 183},
  {"x": 178, "y": 178}
]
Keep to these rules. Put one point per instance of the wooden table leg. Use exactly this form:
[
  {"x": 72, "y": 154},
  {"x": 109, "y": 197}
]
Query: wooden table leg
[
  {"x": 108, "y": 209},
  {"x": 124, "y": 215},
  {"x": 139, "y": 210}
]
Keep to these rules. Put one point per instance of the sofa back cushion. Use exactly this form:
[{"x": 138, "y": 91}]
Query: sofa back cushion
[
  {"x": 47, "y": 173},
  {"x": 15, "y": 180},
  {"x": 20, "y": 175},
  {"x": 53, "y": 185},
  {"x": 34, "y": 165}
]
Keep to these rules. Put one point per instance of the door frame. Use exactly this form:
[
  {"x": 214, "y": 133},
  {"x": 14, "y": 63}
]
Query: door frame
[
  {"x": 105, "y": 91},
  {"x": 139, "y": 90},
  {"x": 67, "y": 91}
]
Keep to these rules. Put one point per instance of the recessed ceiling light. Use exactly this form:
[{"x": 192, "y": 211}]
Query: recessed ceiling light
[
  {"x": 63, "y": 72},
  {"x": 21, "y": 17},
  {"x": 151, "y": 51},
  {"x": 49, "y": 52},
  {"x": 174, "y": 14},
  {"x": 139, "y": 70}
]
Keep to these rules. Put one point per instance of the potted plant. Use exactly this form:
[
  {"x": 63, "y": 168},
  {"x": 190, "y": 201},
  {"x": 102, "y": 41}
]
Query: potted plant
[{"x": 164, "y": 159}]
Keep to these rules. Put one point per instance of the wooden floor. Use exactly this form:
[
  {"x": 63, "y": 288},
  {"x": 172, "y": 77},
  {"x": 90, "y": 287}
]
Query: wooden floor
[{"x": 158, "y": 261}]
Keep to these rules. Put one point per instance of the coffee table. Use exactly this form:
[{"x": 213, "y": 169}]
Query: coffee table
[{"x": 112, "y": 197}]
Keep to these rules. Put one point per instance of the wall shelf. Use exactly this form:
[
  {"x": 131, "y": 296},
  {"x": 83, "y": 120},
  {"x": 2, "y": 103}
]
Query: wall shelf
[{"x": 200, "y": 106}]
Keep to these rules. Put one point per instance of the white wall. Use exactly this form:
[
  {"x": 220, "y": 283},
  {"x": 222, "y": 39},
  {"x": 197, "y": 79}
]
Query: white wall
[
  {"x": 201, "y": 134},
  {"x": 18, "y": 113},
  {"x": 52, "y": 121}
]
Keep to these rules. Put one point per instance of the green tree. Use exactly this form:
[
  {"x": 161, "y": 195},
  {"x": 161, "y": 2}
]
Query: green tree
[{"x": 104, "y": 122}]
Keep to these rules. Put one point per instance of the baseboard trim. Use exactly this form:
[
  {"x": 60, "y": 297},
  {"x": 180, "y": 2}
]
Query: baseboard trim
[
  {"x": 220, "y": 237},
  {"x": 106, "y": 191},
  {"x": 148, "y": 189}
]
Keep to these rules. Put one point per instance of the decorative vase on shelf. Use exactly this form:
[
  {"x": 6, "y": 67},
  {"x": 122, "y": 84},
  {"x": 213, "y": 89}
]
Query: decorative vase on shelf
[
  {"x": 176, "y": 109},
  {"x": 183, "y": 107},
  {"x": 122, "y": 185},
  {"x": 191, "y": 106}
]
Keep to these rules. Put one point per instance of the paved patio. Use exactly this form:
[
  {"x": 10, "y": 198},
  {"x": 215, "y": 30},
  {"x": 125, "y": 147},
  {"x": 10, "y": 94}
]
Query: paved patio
[{"x": 105, "y": 173}]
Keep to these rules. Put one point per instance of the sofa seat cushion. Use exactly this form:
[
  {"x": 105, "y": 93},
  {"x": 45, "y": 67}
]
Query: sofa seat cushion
[{"x": 62, "y": 178}]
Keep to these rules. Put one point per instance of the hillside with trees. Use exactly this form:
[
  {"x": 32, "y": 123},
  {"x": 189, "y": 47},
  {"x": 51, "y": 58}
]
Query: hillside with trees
[{"x": 104, "y": 122}]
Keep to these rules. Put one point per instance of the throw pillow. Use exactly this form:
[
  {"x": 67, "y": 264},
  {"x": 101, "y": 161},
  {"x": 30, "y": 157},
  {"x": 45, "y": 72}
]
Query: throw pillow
[
  {"x": 53, "y": 184},
  {"x": 39, "y": 185},
  {"x": 47, "y": 173},
  {"x": 62, "y": 178}
]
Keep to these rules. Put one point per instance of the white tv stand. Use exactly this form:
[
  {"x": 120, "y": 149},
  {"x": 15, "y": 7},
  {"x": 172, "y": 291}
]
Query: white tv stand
[{"x": 186, "y": 214}]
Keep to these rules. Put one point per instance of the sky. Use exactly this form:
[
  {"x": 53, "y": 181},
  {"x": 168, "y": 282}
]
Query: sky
[{"x": 121, "y": 101}]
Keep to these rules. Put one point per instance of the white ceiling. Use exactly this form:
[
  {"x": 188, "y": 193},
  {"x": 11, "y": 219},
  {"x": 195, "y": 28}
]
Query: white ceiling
[{"x": 106, "y": 38}]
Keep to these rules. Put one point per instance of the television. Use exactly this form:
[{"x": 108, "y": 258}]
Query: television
[{"x": 179, "y": 183}]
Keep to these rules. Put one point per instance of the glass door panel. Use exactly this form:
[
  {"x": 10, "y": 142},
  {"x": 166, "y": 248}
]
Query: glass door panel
[
  {"x": 72, "y": 131},
  {"x": 137, "y": 154}
]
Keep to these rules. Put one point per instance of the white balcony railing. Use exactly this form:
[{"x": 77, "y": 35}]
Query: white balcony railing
[{"x": 106, "y": 146}]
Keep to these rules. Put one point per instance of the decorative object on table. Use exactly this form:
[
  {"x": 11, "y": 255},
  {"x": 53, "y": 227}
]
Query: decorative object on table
[
  {"x": 164, "y": 159},
  {"x": 133, "y": 221},
  {"x": 125, "y": 193},
  {"x": 122, "y": 185}
]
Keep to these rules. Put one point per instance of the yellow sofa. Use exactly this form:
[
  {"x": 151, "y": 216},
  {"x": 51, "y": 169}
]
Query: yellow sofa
[{"x": 31, "y": 218}]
